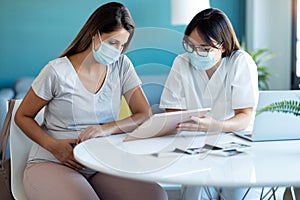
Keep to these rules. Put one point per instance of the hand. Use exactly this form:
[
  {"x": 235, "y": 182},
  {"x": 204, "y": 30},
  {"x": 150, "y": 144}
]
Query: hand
[
  {"x": 201, "y": 124},
  {"x": 63, "y": 151},
  {"x": 92, "y": 132}
]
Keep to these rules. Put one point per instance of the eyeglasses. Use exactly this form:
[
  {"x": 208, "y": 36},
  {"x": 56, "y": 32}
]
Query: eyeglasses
[{"x": 190, "y": 48}]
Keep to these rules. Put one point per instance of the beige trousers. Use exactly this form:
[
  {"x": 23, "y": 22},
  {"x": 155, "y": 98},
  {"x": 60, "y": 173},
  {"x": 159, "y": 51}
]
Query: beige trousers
[{"x": 50, "y": 181}]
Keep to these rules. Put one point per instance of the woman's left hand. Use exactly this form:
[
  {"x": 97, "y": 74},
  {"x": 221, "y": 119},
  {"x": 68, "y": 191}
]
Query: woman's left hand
[
  {"x": 201, "y": 124},
  {"x": 92, "y": 132}
]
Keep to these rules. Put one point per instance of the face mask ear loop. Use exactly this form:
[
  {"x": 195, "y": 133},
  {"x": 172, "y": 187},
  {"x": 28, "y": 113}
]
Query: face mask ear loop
[
  {"x": 94, "y": 39},
  {"x": 99, "y": 36}
]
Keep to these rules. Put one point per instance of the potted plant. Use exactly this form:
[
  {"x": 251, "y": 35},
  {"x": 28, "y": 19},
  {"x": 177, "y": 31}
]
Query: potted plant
[
  {"x": 286, "y": 106},
  {"x": 260, "y": 56}
]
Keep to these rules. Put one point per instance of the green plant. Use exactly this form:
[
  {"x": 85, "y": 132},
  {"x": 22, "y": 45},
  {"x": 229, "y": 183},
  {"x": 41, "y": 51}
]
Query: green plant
[
  {"x": 286, "y": 106},
  {"x": 260, "y": 56}
]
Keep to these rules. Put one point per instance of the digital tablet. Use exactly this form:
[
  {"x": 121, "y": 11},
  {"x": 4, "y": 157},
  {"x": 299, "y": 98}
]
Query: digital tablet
[{"x": 163, "y": 124}]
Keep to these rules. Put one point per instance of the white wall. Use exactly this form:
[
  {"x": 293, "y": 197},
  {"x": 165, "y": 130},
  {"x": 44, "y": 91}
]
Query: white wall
[{"x": 268, "y": 25}]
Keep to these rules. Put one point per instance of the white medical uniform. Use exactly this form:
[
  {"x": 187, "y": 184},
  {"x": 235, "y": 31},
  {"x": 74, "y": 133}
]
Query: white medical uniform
[
  {"x": 234, "y": 85},
  {"x": 72, "y": 107}
]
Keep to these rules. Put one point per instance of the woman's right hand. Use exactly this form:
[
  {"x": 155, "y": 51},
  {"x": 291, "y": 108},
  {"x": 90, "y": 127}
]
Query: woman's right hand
[
  {"x": 63, "y": 151},
  {"x": 201, "y": 124}
]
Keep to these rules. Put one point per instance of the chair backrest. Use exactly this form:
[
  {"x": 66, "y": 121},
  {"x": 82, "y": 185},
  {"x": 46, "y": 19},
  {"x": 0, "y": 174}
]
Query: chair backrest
[
  {"x": 20, "y": 146},
  {"x": 5, "y": 95},
  {"x": 124, "y": 109},
  {"x": 153, "y": 93}
]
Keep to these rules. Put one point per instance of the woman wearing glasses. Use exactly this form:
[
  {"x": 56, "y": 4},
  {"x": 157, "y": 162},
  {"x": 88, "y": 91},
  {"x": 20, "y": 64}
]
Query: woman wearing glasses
[
  {"x": 81, "y": 92},
  {"x": 214, "y": 72}
]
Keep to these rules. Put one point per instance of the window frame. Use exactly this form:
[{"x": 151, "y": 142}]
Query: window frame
[{"x": 295, "y": 81}]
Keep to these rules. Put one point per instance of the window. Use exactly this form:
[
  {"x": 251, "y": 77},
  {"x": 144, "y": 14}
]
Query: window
[{"x": 295, "y": 45}]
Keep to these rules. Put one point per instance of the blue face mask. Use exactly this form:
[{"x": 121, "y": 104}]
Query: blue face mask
[
  {"x": 203, "y": 63},
  {"x": 106, "y": 54}
]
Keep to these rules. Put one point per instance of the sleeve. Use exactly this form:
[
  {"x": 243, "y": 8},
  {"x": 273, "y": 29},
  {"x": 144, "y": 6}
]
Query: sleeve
[
  {"x": 244, "y": 82},
  {"x": 45, "y": 84},
  {"x": 173, "y": 95},
  {"x": 129, "y": 77}
]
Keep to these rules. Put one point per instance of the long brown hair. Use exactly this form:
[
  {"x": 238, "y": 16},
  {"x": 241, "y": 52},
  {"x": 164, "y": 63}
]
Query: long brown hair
[
  {"x": 213, "y": 24},
  {"x": 107, "y": 18}
]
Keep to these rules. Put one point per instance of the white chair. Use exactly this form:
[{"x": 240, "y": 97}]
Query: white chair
[{"x": 20, "y": 145}]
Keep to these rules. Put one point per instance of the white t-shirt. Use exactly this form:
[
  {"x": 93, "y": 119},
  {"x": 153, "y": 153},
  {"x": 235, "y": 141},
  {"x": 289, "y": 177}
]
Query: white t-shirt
[
  {"x": 71, "y": 106},
  {"x": 234, "y": 85}
]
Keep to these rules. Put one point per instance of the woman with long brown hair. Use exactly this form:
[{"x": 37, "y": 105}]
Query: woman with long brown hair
[{"x": 81, "y": 92}]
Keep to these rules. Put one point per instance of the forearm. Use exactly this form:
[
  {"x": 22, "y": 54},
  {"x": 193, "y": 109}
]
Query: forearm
[
  {"x": 126, "y": 125},
  {"x": 238, "y": 122},
  {"x": 139, "y": 107},
  {"x": 33, "y": 130}
]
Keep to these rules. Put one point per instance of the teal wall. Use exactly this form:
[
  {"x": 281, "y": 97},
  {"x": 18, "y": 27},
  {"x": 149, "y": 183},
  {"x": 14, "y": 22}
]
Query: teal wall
[{"x": 36, "y": 31}]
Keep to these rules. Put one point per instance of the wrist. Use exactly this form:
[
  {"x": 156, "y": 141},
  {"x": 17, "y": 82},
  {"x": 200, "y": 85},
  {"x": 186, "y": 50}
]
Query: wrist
[
  {"x": 105, "y": 129},
  {"x": 49, "y": 144},
  {"x": 218, "y": 125}
]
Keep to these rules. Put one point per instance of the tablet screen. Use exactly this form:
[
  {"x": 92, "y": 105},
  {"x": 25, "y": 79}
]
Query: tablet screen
[{"x": 163, "y": 124}]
